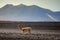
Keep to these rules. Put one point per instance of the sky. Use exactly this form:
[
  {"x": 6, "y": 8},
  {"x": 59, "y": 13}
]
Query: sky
[{"x": 53, "y": 5}]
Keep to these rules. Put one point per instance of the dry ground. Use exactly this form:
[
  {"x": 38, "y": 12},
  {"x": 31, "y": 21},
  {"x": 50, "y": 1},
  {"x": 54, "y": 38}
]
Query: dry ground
[{"x": 35, "y": 35}]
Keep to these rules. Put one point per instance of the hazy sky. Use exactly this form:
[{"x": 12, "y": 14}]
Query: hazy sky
[{"x": 49, "y": 4}]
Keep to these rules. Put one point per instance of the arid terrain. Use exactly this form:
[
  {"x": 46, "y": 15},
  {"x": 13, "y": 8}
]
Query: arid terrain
[
  {"x": 40, "y": 31},
  {"x": 35, "y": 35}
]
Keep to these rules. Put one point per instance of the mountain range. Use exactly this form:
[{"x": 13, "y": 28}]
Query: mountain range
[{"x": 27, "y": 13}]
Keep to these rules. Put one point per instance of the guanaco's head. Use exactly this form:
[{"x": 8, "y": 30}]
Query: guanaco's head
[{"x": 19, "y": 26}]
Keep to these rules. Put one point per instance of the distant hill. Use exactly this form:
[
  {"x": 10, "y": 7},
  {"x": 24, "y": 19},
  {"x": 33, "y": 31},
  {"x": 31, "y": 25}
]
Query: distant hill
[{"x": 27, "y": 13}]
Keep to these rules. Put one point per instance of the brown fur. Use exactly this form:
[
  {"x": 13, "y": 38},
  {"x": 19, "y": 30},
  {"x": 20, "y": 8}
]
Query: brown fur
[{"x": 24, "y": 29}]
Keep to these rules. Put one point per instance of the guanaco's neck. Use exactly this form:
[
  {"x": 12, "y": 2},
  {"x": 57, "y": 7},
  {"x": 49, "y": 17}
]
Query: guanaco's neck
[{"x": 19, "y": 27}]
